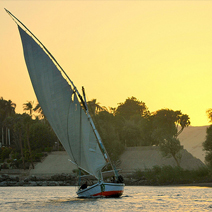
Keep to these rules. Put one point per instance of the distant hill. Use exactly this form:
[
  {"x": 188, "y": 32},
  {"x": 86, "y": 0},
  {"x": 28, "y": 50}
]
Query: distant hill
[
  {"x": 137, "y": 157},
  {"x": 146, "y": 157},
  {"x": 55, "y": 163},
  {"x": 133, "y": 158},
  {"x": 192, "y": 138}
]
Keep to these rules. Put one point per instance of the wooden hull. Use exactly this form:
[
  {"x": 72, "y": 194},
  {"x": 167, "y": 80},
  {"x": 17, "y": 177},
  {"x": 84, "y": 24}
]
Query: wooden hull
[{"x": 102, "y": 189}]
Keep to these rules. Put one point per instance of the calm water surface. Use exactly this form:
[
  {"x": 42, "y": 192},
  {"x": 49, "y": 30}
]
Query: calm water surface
[{"x": 135, "y": 198}]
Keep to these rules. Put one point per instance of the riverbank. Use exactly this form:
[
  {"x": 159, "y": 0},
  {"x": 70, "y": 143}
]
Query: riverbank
[
  {"x": 71, "y": 180},
  {"x": 54, "y": 180}
]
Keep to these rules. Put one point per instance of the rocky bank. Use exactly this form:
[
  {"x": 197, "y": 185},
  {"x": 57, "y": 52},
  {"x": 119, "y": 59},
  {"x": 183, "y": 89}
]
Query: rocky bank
[{"x": 54, "y": 180}]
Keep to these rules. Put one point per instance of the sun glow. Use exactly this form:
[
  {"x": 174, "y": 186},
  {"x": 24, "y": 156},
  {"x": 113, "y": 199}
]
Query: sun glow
[{"x": 158, "y": 51}]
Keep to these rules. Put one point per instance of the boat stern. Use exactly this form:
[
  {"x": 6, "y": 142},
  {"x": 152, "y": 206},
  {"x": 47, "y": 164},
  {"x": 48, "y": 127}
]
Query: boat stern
[{"x": 102, "y": 189}]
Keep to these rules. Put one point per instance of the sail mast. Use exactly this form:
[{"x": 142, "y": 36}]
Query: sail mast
[{"x": 94, "y": 128}]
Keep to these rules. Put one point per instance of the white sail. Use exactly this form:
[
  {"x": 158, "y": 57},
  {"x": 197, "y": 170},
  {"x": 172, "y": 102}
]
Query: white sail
[{"x": 62, "y": 108}]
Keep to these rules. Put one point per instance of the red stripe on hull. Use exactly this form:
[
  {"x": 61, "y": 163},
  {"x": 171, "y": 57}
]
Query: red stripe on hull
[{"x": 109, "y": 194}]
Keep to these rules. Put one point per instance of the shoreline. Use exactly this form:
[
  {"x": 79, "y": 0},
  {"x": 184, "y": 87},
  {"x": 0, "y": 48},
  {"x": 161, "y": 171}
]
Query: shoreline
[{"x": 71, "y": 180}]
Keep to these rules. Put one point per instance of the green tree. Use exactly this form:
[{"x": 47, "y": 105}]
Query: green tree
[
  {"x": 7, "y": 108},
  {"x": 41, "y": 136},
  {"x": 106, "y": 125},
  {"x": 94, "y": 107},
  {"x": 207, "y": 146},
  {"x": 209, "y": 114},
  {"x": 129, "y": 118},
  {"x": 171, "y": 147},
  {"x": 8, "y": 124},
  {"x": 165, "y": 131},
  {"x": 39, "y": 110},
  {"x": 10, "y": 108},
  {"x": 19, "y": 130},
  {"x": 166, "y": 122},
  {"x": 131, "y": 134},
  {"x": 146, "y": 130},
  {"x": 131, "y": 107},
  {"x": 183, "y": 121},
  {"x": 28, "y": 106},
  {"x": 27, "y": 121}
]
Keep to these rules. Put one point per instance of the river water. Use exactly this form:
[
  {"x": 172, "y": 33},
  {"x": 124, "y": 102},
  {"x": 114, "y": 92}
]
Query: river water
[{"x": 135, "y": 198}]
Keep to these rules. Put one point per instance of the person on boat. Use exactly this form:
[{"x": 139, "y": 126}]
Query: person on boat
[
  {"x": 113, "y": 180},
  {"x": 120, "y": 179},
  {"x": 83, "y": 186}
]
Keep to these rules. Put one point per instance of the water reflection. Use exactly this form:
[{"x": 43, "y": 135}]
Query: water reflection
[{"x": 135, "y": 198}]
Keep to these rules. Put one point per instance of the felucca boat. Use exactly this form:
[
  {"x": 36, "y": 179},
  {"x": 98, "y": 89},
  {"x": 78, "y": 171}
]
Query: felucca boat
[{"x": 67, "y": 112}]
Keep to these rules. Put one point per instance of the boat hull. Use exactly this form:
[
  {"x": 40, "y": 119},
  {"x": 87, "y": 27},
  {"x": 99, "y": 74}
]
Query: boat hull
[{"x": 102, "y": 189}]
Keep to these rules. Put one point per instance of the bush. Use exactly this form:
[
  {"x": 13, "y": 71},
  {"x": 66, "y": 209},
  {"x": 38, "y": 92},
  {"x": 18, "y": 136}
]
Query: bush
[
  {"x": 48, "y": 149},
  {"x": 173, "y": 175},
  {"x": 9, "y": 161},
  {"x": 16, "y": 155},
  {"x": 5, "y": 152},
  {"x": 4, "y": 166}
]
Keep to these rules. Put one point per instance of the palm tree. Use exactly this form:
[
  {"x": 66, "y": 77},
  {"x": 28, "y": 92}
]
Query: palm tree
[
  {"x": 10, "y": 108},
  {"x": 19, "y": 128},
  {"x": 184, "y": 122},
  {"x": 7, "y": 108},
  {"x": 8, "y": 124},
  {"x": 39, "y": 110},
  {"x": 95, "y": 107},
  {"x": 27, "y": 120},
  {"x": 28, "y": 106}
]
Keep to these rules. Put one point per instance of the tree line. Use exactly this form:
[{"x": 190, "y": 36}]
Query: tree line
[
  {"x": 22, "y": 136},
  {"x": 130, "y": 124},
  {"x": 207, "y": 144}
]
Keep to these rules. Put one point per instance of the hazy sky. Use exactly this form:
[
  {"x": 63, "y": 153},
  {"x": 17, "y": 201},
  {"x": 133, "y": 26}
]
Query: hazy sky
[{"x": 157, "y": 51}]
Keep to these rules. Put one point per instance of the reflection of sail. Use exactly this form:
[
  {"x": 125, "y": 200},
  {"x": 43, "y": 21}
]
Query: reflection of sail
[{"x": 62, "y": 108}]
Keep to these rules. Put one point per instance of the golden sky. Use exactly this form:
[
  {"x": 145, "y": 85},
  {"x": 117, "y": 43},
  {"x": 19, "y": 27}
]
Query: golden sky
[{"x": 158, "y": 51}]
